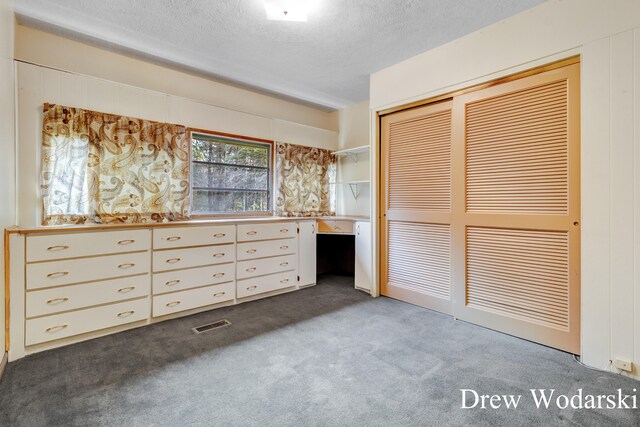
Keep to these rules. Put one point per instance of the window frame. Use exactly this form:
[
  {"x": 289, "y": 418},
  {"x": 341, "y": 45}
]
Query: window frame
[{"x": 239, "y": 139}]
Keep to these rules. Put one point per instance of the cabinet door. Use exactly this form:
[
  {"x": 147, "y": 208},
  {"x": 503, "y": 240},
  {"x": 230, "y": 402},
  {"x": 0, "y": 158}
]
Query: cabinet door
[
  {"x": 307, "y": 253},
  {"x": 363, "y": 256}
]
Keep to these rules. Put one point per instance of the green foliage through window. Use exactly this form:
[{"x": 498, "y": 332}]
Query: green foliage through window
[{"x": 229, "y": 175}]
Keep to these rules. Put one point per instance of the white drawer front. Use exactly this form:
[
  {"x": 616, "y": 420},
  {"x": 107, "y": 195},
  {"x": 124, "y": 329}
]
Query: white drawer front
[
  {"x": 72, "y": 245},
  {"x": 330, "y": 226},
  {"x": 177, "y": 237},
  {"x": 74, "y": 297},
  {"x": 55, "y": 273},
  {"x": 278, "y": 230},
  {"x": 64, "y": 325},
  {"x": 267, "y": 248},
  {"x": 259, "y": 267},
  {"x": 258, "y": 285},
  {"x": 192, "y": 257},
  {"x": 193, "y": 298},
  {"x": 172, "y": 281}
]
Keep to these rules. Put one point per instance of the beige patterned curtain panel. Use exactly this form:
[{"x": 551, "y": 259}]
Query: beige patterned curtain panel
[
  {"x": 104, "y": 168},
  {"x": 305, "y": 181}
]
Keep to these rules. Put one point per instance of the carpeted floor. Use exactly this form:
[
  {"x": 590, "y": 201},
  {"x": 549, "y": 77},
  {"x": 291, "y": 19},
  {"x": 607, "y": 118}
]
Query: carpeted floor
[{"x": 324, "y": 356}]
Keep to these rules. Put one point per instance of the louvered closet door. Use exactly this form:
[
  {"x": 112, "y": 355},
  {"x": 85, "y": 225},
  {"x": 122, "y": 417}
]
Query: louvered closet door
[
  {"x": 516, "y": 208},
  {"x": 416, "y": 228}
]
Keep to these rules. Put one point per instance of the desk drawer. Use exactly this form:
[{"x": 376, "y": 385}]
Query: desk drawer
[
  {"x": 72, "y": 245},
  {"x": 56, "y": 273},
  {"x": 193, "y": 257},
  {"x": 258, "y": 285},
  {"x": 193, "y": 298},
  {"x": 64, "y": 325},
  {"x": 337, "y": 227},
  {"x": 259, "y": 267},
  {"x": 278, "y": 230},
  {"x": 74, "y": 297},
  {"x": 172, "y": 281},
  {"x": 178, "y": 237},
  {"x": 267, "y": 248}
]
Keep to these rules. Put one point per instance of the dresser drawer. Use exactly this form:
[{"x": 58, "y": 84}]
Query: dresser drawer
[
  {"x": 177, "y": 237},
  {"x": 272, "y": 282},
  {"x": 43, "y": 329},
  {"x": 179, "y": 280},
  {"x": 56, "y": 273},
  {"x": 193, "y": 298},
  {"x": 259, "y": 267},
  {"x": 74, "y": 297},
  {"x": 337, "y": 227},
  {"x": 278, "y": 230},
  {"x": 192, "y": 257},
  {"x": 72, "y": 245},
  {"x": 267, "y": 248}
]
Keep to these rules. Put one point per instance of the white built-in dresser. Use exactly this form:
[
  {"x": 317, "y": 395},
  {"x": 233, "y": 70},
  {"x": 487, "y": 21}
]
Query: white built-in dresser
[{"x": 66, "y": 285}]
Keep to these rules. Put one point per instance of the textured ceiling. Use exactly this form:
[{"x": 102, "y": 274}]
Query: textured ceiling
[{"x": 325, "y": 61}]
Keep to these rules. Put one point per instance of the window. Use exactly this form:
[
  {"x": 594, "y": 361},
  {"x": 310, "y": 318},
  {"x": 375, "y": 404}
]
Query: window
[{"x": 230, "y": 175}]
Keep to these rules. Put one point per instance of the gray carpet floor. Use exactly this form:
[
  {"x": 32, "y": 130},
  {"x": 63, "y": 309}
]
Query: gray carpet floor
[{"x": 323, "y": 356}]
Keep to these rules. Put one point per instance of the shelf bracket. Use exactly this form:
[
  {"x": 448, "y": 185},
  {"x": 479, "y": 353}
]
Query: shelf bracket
[{"x": 354, "y": 190}]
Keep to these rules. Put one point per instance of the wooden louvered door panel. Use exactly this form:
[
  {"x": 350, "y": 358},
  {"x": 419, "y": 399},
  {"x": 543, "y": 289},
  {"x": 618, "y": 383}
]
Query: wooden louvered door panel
[
  {"x": 416, "y": 228},
  {"x": 516, "y": 207}
]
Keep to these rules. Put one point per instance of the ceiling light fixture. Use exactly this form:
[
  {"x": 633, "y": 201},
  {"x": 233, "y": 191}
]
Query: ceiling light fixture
[{"x": 287, "y": 10}]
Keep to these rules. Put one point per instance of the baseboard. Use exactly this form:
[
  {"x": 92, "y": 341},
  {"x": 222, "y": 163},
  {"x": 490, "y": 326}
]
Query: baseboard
[{"x": 3, "y": 363}]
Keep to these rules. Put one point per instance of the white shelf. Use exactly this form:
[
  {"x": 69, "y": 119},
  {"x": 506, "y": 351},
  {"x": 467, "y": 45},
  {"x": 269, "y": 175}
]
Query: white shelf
[{"x": 352, "y": 152}]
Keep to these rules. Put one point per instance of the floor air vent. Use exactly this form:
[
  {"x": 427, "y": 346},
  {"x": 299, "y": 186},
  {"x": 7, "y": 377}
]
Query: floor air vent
[{"x": 211, "y": 326}]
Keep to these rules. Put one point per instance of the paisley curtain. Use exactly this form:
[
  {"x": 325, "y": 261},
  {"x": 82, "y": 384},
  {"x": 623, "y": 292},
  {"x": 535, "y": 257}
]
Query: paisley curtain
[
  {"x": 104, "y": 168},
  {"x": 305, "y": 181}
]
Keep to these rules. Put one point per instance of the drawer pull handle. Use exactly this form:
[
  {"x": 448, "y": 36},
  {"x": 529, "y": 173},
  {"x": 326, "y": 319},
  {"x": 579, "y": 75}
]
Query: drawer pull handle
[
  {"x": 219, "y": 255},
  {"x": 219, "y": 294},
  {"x": 56, "y": 328},
  {"x": 337, "y": 227},
  {"x": 251, "y": 233},
  {"x": 313, "y": 228},
  {"x": 57, "y": 274},
  {"x": 172, "y": 303},
  {"x": 252, "y": 251},
  {"x": 173, "y": 238},
  {"x": 250, "y": 269},
  {"x": 58, "y": 300},
  {"x": 172, "y": 260},
  {"x": 250, "y": 288},
  {"x": 57, "y": 248},
  {"x": 172, "y": 282},
  {"x": 284, "y": 263},
  {"x": 218, "y": 275},
  {"x": 284, "y": 247},
  {"x": 219, "y": 235},
  {"x": 284, "y": 280},
  {"x": 126, "y": 290},
  {"x": 126, "y": 242},
  {"x": 127, "y": 265},
  {"x": 284, "y": 230},
  {"x": 125, "y": 314}
]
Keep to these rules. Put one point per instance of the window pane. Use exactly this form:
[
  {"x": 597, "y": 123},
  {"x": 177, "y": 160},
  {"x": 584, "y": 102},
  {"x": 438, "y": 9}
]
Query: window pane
[{"x": 230, "y": 175}]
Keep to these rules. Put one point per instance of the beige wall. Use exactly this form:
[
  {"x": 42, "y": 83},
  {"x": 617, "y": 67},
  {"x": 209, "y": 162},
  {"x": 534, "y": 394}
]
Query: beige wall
[
  {"x": 103, "y": 81},
  {"x": 607, "y": 36},
  {"x": 42, "y": 48},
  {"x": 354, "y": 132},
  {"x": 7, "y": 141}
]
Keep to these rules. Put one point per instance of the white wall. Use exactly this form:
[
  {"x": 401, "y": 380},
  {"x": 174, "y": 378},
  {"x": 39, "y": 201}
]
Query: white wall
[
  {"x": 354, "y": 132},
  {"x": 265, "y": 117},
  {"x": 607, "y": 36},
  {"x": 7, "y": 141}
]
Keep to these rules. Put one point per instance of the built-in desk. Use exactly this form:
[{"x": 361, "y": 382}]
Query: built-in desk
[{"x": 361, "y": 228}]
